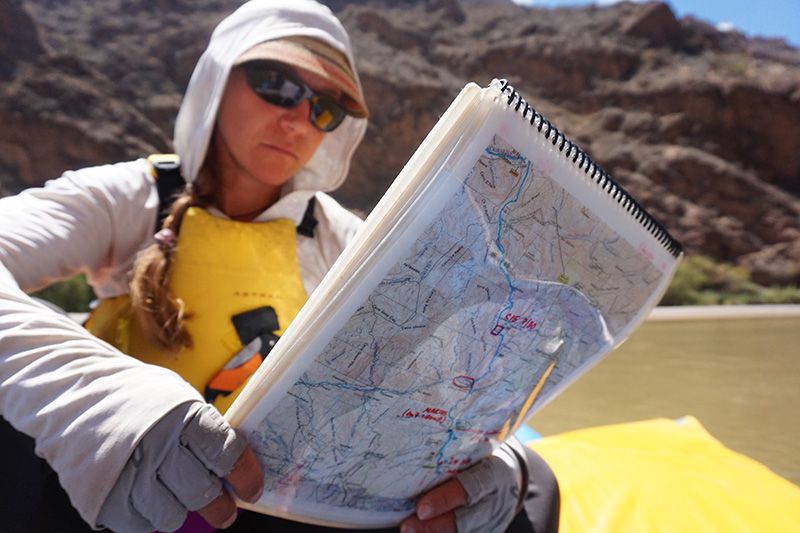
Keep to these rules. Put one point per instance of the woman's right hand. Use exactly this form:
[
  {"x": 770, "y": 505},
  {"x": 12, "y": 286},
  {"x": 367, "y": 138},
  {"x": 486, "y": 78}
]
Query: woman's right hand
[{"x": 178, "y": 466}]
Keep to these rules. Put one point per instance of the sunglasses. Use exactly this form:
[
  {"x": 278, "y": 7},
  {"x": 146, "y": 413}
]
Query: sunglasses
[{"x": 278, "y": 86}]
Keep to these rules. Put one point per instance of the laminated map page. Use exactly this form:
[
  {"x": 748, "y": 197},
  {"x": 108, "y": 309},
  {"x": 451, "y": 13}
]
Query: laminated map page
[{"x": 501, "y": 264}]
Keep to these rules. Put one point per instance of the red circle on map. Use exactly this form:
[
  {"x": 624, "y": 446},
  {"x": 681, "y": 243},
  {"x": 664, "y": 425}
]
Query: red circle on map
[{"x": 464, "y": 382}]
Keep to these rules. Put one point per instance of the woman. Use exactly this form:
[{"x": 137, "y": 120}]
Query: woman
[{"x": 270, "y": 120}]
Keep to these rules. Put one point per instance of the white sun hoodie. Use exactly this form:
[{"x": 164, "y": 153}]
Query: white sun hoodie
[{"x": 86, "y": 404}]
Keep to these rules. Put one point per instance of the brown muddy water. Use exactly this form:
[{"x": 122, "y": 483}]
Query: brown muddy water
[{"x": 740, "y": 377}]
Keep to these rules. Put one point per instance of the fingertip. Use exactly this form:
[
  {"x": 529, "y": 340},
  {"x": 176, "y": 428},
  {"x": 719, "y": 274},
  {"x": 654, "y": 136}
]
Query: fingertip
[
  {"x": 425, "y": 511},
  {"x": 410, "y": 525},
  {"x": 221, "y": 512},
  {"x": 407, "y": 527},
  {"x": 445, "y": 523},
  {"x": 441, "y": 499},
  {"x": 247, "y": 478},
  {"x": 229, "y": 522}
]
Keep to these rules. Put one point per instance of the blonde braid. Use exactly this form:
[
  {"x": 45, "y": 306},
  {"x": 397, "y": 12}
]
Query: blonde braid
[{"x": 160, "y": 313}]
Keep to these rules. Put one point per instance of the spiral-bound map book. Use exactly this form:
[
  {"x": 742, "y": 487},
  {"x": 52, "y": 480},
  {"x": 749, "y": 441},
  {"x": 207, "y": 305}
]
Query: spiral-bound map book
[{"x": 500, "y": 265}]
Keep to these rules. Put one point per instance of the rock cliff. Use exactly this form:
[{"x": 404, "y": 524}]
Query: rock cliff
[{"x": 703, "y": 127}]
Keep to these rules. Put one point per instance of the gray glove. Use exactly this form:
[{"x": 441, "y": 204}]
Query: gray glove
[
  {"x": 176, "y": 467},
  {"x": 494, "y": 490}
]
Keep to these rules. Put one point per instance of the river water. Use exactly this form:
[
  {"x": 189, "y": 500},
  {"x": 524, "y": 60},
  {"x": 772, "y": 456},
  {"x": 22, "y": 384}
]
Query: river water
[{"x": 739, "y": 377}]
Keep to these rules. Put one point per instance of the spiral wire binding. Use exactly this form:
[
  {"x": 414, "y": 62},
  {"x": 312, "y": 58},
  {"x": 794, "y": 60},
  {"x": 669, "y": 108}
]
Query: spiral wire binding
[{"x": 594, "y": 171}]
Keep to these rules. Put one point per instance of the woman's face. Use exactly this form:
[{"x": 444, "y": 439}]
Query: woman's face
[{"x": 258, "y": 146}]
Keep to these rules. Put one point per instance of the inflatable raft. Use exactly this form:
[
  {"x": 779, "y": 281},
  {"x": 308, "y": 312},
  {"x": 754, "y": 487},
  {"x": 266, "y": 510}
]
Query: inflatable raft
[{"x": 664, "y": 476}]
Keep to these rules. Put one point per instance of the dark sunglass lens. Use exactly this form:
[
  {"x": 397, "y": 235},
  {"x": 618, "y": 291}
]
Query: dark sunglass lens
[
  {"x": 326, "y": 114},
  {"x": 274, "y": 87}
]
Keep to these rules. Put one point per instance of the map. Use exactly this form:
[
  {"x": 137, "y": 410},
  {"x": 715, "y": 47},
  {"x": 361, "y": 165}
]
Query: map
[{"x": 513, "y": 287}]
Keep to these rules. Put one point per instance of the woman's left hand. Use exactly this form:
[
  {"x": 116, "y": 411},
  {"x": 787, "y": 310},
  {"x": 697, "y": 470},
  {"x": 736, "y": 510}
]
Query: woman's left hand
[{"x": 485, "y": 497}]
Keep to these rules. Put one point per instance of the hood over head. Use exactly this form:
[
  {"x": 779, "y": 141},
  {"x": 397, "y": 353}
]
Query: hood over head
[{"x": 255, "y": 22}]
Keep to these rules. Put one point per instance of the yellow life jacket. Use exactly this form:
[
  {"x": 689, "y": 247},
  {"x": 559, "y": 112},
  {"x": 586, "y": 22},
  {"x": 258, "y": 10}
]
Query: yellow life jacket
[{"x": 220, "y": 268}]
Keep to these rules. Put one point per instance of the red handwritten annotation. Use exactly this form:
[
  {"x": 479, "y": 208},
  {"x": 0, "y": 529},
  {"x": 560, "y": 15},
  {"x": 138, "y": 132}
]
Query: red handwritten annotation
[
  {"x": 523, "y": 321},
  {"x": 433, "y": 414},
  {"x": 454, "y": 465}
]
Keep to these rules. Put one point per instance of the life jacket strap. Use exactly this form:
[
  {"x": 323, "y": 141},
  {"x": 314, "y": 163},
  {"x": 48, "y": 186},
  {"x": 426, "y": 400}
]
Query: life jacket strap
[
  {"x": 309, "y": 222},
  {"x": 166, "y": 169}
]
